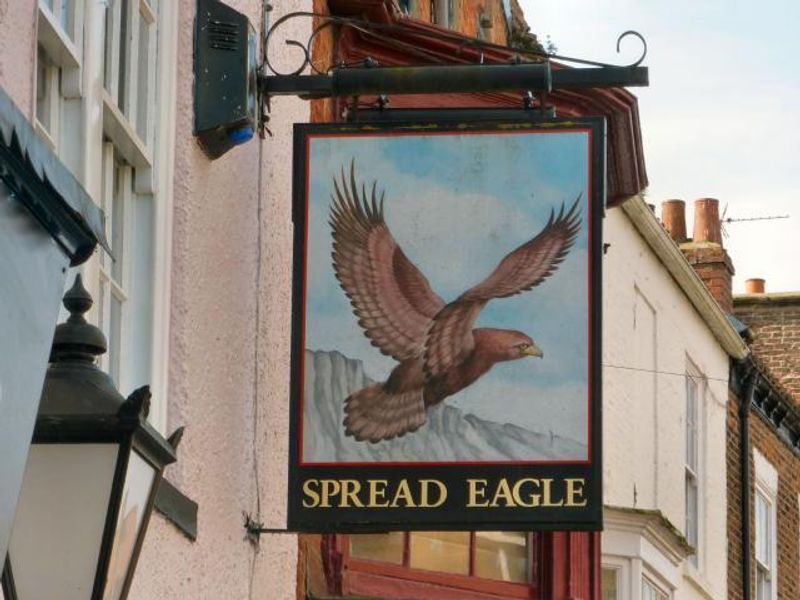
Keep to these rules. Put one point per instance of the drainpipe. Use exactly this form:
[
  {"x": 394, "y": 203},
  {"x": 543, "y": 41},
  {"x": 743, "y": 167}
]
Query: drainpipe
[{"x": 744, "y": 463}]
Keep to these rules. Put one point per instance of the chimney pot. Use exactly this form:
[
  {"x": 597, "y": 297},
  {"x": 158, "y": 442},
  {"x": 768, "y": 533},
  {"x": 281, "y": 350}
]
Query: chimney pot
[
  {"x": 754, "y": 286},
  {"x": 673, "y": 215},
  {"x": 707, "y": 227}
]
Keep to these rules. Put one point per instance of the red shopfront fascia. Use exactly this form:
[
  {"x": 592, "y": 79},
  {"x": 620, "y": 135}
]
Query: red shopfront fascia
[{"x": 565, "y": 564}]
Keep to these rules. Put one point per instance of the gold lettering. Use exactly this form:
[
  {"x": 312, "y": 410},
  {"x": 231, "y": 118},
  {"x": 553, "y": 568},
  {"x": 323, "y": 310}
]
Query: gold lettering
[
  {"x": 330, "y": 487},
  {"x": 311, "y": 493},
  {"x": 350, "y": 490},
  {"x": 546, "y": 500},
  {"x": 533, "y": 499},
  {"x": 377, "y": 491},
  {"x": 476, "y": 491},
  {"x": 503, "y": 492},
  {"x": 575, "y": 492},
  {"x": 403, "y": 494},
  {"x": 424, "y": 485}
]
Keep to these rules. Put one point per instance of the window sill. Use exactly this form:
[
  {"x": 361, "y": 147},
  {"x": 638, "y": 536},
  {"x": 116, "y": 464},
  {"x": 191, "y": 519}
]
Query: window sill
[
  {"x": 54, "y": 40},
  {"x": 41, "y": 130},
  {"x": 64, "y": 53},
  {"x": 117, "y": 127}
]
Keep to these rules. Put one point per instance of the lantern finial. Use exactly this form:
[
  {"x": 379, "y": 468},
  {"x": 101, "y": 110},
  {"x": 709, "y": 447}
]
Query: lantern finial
[{"x": 76, "y": 338}]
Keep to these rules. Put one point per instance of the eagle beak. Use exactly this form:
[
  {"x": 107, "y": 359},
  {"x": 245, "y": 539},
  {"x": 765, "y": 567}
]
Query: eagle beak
[{"x": 533, "y": 350}]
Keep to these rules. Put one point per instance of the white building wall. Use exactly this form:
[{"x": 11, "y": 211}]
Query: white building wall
[{"x": 649, "y": 322}]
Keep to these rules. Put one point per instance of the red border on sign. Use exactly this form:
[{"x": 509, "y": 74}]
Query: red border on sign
[{"x": 590, "y": 319}]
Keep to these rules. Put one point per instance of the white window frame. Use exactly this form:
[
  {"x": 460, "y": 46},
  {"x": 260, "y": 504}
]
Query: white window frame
[
  {"x": 692, "y": 459},
  {"x": 111, "y": 286},
  {"x": 661, "y": 593},
  {"x": 64, "y": 53},
  {"x": 89, "y": 120},
  {"x": 150, "y": 160},
  {"x": 766, "y": 485},
  {"x": 618, "y": 579}
]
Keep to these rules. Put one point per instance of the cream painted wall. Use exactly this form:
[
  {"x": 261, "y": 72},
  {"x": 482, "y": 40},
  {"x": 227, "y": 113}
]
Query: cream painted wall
[
  {"x": 644, "y": 413},
  {"x": 229, "y": 353}
]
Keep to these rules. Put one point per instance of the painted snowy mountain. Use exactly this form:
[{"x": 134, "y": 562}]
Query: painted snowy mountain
[{"x": 449, "y": 435}]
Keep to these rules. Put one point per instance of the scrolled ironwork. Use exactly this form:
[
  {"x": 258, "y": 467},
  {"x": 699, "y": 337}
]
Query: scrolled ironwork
[{"x": 380, "y": 30}]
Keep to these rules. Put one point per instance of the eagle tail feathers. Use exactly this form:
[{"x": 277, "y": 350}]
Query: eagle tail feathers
[{"x": 374, "y": 414}]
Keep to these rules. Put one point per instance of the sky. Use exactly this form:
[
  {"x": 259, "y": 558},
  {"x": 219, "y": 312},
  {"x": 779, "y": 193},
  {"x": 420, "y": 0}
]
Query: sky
[
  {"x": 456, "y": 223},
  {"x": 721, "y": 117}
]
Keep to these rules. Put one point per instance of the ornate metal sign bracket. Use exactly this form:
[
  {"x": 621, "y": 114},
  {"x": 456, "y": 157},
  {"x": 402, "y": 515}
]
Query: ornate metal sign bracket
[{"x": 527, "y": 71}]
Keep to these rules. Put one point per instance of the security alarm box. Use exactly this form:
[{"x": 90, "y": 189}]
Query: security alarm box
[{"x": 225, "y": 78}]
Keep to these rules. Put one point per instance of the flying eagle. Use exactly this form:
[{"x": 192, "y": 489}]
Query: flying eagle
[{"x": 438, "y": 350}]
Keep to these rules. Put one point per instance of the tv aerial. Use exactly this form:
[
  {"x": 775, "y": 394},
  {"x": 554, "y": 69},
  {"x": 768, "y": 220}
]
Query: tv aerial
[{"x": 725, "y": 220}]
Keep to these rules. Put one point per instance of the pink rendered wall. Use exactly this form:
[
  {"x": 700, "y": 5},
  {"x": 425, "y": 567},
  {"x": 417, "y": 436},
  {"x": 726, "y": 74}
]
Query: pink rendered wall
[
  {"x": 17, "y": 51},
  {"x": 229, "y": 353}
]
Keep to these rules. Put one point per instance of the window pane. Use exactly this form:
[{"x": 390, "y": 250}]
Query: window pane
[
  {"x": 691, "y": 423},
  {"x": 502, "y": 555},
  {"x": 763, "y": 533},
  {"x": 67, "y": 18},
  {"x": 43, "y": 90},
  {"x": 763, "y": 584},
  {"x": 609, "y": 584},
  {"x": 117, "y": 223},
  {"x": 143, "y": 79},
  {"x": 385, "y": 547},
  {"x": 122, "y": 77},
  {"x": 691, "y": 510},
  {"x": 108, "y": 34},
  {"x": 114, "y": 337},
  {"x": 445, "y": 551}
]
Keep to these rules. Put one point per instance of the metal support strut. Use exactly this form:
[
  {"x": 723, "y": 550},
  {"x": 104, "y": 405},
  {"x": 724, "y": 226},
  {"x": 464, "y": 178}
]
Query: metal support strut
[{"x": 375, "y": 81}]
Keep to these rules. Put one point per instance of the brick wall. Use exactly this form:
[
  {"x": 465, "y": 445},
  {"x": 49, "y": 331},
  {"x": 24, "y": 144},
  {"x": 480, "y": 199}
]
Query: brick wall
[
  {"x": 763, "y": 438},
  {"x": 788, "y": 466},
  {"x": 734, "y": 507},
  {"x": 775, "y": 322}
]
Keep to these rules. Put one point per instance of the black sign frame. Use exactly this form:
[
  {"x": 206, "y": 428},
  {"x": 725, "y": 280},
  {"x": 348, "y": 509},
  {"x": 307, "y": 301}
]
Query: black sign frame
[{"x": 557, "y": 485}]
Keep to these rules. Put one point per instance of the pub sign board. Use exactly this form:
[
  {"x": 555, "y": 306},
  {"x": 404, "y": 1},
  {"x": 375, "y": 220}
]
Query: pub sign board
[{"x": 446, "y": 326}]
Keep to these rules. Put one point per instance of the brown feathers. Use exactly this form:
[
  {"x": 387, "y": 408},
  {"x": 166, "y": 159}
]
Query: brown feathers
[{"x": 400, "y": 313}]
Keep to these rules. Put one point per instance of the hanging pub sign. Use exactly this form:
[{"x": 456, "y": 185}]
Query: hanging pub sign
[{"x": 446, "y": 326}]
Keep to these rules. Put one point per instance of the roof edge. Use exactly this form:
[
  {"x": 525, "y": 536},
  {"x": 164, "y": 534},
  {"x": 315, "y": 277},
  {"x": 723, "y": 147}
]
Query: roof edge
[
  {"x": 689, "y": 281},
  {"x": 769, "y": 298}
]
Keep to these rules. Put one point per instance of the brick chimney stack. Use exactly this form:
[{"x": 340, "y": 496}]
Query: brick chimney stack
[{"x": 705, "y": 252}]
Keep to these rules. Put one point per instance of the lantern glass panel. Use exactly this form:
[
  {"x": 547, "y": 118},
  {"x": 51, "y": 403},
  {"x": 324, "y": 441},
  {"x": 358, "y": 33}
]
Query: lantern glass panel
[
  {"x": 61, "y": 514},
  {"x": 135, "y": 497}
]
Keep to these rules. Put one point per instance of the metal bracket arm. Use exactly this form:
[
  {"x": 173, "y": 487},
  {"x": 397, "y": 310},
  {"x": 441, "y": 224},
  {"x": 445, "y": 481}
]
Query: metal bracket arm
[{"x": 373, "y": 81}]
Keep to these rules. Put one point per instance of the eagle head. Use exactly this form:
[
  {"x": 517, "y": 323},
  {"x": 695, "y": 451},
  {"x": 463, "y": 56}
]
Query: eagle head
[{"x": 506, "y": 344}]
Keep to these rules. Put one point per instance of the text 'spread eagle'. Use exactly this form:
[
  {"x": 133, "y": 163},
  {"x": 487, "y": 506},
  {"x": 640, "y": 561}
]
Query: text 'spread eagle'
[{"x": 438, "y": 351}]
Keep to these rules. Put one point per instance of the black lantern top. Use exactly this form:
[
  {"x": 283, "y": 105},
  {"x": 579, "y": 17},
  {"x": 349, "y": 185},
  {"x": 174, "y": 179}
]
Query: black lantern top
[{"x": 80, "y": 402}]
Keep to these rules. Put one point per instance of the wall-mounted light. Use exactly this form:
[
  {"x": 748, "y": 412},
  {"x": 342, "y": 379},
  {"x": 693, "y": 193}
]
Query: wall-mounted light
[{"x": 91, "y": 478}]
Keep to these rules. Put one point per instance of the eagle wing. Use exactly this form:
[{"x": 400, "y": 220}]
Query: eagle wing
[
  {"x": 450, "y": 339},
  {"x": 392, "y": 299}
]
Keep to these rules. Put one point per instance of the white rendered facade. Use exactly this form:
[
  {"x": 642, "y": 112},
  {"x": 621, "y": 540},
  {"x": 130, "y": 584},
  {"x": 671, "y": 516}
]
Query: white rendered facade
[{"x": 665, "y": 382}]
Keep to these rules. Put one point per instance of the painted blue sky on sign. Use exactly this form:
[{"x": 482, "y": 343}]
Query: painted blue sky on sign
[{"x": 457, "y": 204}]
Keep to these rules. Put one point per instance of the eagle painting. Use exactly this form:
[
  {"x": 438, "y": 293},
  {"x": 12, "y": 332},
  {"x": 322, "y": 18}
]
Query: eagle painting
[{"x": 438, "y": 351}]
